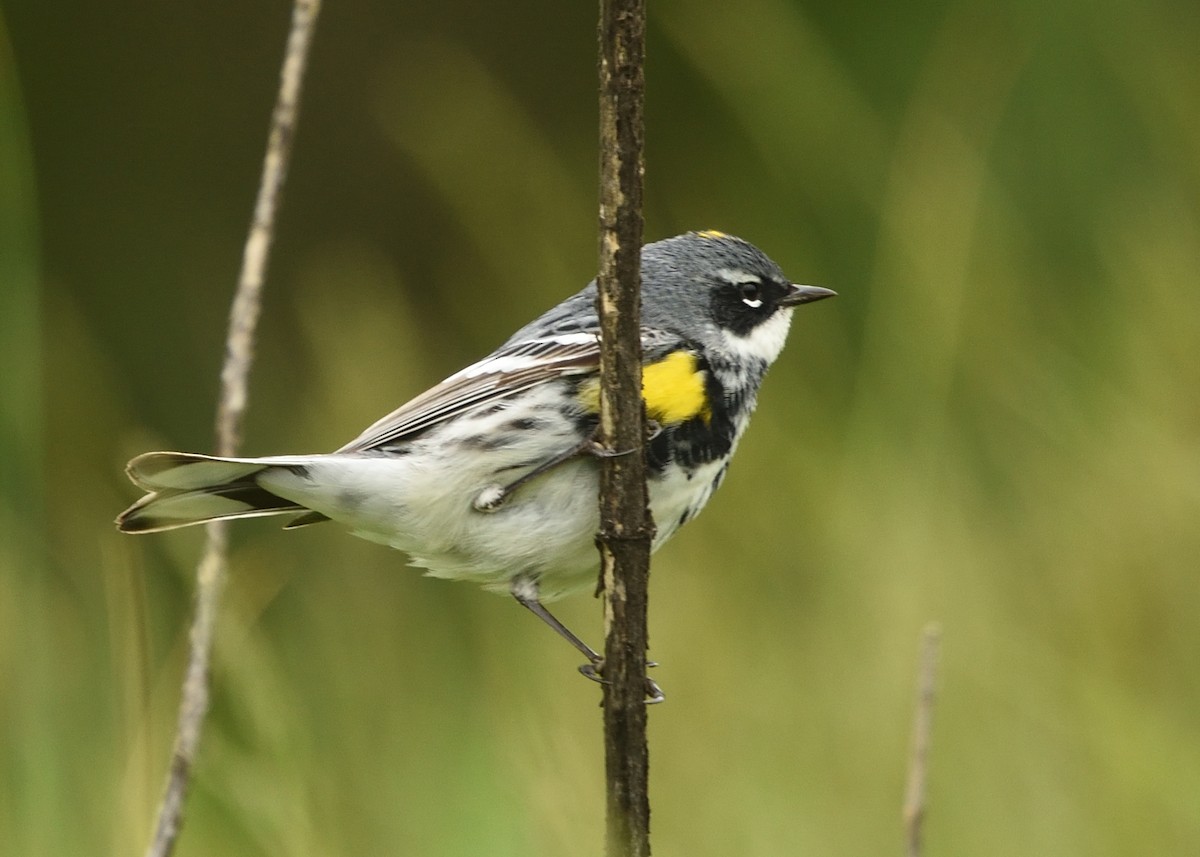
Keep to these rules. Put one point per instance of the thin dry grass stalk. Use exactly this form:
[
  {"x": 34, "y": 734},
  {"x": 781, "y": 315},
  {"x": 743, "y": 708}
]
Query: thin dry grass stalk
[
  {"x": 918, "y": 768},
  {"x": 239, "y": 355}
]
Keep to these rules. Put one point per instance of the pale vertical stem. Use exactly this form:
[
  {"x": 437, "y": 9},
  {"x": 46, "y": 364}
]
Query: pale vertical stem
[
  {"x": 918, "y": 768},
  {"x": 239, "y": 355}
]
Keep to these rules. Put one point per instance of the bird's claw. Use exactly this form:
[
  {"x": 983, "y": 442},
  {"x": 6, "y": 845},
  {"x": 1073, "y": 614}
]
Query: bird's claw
[
  {"x": 594, "y": 670},
  {"x": 594, "y": 448}
]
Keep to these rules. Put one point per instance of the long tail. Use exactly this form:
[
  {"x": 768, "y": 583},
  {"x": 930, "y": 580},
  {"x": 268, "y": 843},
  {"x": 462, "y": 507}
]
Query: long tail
[{"x": 184, "y": 488}]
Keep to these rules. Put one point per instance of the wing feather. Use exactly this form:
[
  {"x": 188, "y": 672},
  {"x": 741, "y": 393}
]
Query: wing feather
[
  {"x": 508, "y": 371},
  {"x": 514, "y": 368}
]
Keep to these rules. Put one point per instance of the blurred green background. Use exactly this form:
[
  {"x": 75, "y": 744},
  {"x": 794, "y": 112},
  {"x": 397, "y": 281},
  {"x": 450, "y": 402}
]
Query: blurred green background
[{"x": 995, "y": 425}]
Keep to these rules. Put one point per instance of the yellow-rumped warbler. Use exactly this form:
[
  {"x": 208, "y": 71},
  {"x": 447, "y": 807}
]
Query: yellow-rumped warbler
[{"x": 488, "y": 476}]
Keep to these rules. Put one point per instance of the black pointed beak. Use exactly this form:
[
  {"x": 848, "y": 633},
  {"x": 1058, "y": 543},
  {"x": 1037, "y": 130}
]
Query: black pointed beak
[{"x": 797, "y": 295}]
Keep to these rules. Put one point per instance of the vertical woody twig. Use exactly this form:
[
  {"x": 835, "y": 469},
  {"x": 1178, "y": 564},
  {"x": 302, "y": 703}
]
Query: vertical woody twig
[
  {"x": 239, "y": 354},
  {"x": 626, "y": 528}
]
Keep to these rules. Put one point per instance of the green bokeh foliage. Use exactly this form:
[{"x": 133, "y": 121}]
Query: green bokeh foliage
[{"x": 995, "y": 425}]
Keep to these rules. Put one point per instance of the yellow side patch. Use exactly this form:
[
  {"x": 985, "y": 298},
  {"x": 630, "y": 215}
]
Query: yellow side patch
[{"x": 673, "y": 389}]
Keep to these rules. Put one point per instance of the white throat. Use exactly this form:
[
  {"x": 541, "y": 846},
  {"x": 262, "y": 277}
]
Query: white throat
[{"x": 764, "y": 342}]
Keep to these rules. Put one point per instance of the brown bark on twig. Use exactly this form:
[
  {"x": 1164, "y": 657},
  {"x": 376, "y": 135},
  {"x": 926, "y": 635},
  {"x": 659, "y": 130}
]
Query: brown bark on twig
[
  {"x": 918, "y": 769},
  {"x": 239, "y": 354},
  {"x": 626, "y": 528}
]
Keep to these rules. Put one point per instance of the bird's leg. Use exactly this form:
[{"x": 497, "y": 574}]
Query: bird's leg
[
  {"x": 493, "y": 496},
  {"x": 525, "y": 590}
]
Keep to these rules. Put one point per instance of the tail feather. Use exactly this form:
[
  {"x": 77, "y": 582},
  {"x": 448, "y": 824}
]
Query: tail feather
[
  {"x": 183, "y": 471},
  {"x": 186, "y": 489},
  {"x": 305, "y": 520}
]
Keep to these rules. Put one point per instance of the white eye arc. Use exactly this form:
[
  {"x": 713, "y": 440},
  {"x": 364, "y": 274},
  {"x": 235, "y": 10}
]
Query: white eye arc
[{"x": 751, "y": 293}]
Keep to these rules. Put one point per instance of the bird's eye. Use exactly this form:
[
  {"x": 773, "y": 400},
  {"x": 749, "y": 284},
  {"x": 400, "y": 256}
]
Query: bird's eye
[{"x": 751, "y": 294}]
